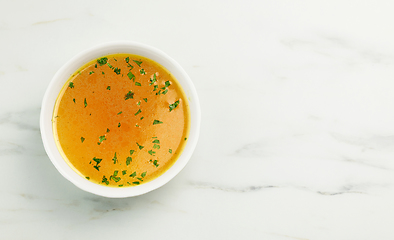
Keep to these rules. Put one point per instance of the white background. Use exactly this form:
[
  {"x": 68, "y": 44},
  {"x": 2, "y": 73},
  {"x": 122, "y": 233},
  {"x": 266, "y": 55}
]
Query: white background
[{"x": 297, "y": 135}]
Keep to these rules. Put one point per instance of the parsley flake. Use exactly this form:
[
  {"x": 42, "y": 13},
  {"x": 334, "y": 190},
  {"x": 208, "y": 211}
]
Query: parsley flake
[
  {"x": 109, "y": 88},
  {"x": 143, "y": 174},
  {"x": 137, "y": 62},
  {"x": 115, "y": 159},
  {"x": 139, "y": 111},
  {"x": 139, "y": 146},
  {"x": 90, "y": 73},
  {"x": 120, "y": 112},
  {"x": 71, "y": 85},
  {"x": 157, "y": 122},
  {"x": 131, "y": 76},
  {"x": 142, "y": 71},
  {"x": 117, "y": 71},
  {"x": 128, "y": 160},
  {"x": 102, "y": 61},
  {"x": 170, "y": 150},
  {"x": 82, "y": 139},
  {"x": 129, "y": 95},
  {"x": 174, "y": 105},
  {"x": 137, "y": 84},
  {"x": 133, "y": 174},
  {"x": 85, "y": 103}
]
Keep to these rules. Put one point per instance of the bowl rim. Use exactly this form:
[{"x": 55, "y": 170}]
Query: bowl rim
[{"x": 61, "y": 77}]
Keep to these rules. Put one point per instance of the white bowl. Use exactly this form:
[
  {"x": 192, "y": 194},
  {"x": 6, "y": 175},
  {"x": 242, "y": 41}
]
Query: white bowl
[{"x": 76, "y": 62}]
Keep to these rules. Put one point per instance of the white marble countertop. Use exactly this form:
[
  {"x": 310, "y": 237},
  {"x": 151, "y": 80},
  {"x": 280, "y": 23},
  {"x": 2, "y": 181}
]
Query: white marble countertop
[{"x": 297, "y": 135}]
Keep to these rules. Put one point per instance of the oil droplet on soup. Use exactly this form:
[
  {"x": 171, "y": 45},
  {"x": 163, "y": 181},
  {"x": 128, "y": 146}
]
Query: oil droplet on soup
[{"x": 121, "y": 120}]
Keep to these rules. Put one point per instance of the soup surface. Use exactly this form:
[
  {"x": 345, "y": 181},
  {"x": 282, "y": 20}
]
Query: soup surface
[{"x": 121, "y": 120}]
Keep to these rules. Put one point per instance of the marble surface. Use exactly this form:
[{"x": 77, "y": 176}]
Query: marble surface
[{"x": 297, "y": 136}]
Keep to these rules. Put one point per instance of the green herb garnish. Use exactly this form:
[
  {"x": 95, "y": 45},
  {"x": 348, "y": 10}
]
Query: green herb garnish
[
  {"x": 102, "y": 138},
  {"x": 131, "y": 152},
  {"x": 136, "y": 183},
  {"x": 156, "y": 141},
  {"x": 138, "y": 63},
  {"x": 174, "y": 105},
  {"x": 129, "y": 95},
  {"x": 155, "y": 163},
  {"x": 170, "y": 150},
  {"x": 127, "y": 59},
  {"x": 71, "y": 85},
  {"x": 145, "y": 99},
  {"x": 85, "y": 103},
  {"x": 107, "y": 130},
  {"x": 139, "y": 111},
  {"x": 118, "y": 124},
  {"x": 152, "y": 81},
  {"x": 117, "y": 71},
  {"x": 87, "y": 178},
  {"x": 133, "y": 174},
  {"x": 102, "y": 61},
  {"x": 105, "y": 180},
  {"x": 124, "y": 172},
  {"x": 115, "y": 159},
  {"x": 151, "y": 152},
  {"x": 142, "y": 71},
  {"x": 110, "y": 66},
  {"x": 82, "y": 139},
  {"x": 157, "y": 122},
  {"x": 128, "y": 160},
  {"x": 143, "y": 174},
  {"x": 90, "y": 73},
  {"x": 139, "y": 146},
  {"x": 120, "y": 112},
  {"x": 167, "y": 84},
  {"x": 74, "y": 100},
  {"x": 137, "y": 84},
  {"x": 109, "y": 88},
  {"x": 156, "y": 146},
  {"x": 131, "y": 76}
]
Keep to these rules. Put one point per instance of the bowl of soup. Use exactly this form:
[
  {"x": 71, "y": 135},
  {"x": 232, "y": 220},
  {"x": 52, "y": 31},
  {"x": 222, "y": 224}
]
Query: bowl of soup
[{"x": 120, "y": 119}]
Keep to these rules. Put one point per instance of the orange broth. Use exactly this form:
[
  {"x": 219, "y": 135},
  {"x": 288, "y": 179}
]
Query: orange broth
[{"x": 121, "y": 120}]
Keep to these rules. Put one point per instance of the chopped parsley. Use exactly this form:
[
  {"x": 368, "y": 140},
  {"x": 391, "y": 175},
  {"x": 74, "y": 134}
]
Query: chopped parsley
[
  {"x": 107, "y": 129},
  {"x": 156, "y": 146},
  {"x": 152, "y": 81},
  {"x": 82, "y": 139},
  {"x": 71, "y": 85},
  {"x": 124, "y": 172},
  {"x": 120, "y": 112},
  {"x": 74, "y": 100},
  {"x": 143, "y": 174},
  {"x": 131, "y": 152},
  {"x": 129, "y": 95},
  {"x": 155, "y": 163},
  {"x": 137, "y": 84},
  {"x": 102, "y": 61},
  {"x": 139, "y": 111},
  {"x": 145, "y": 99},
  {"x": 138, "y": 103},
  {"x": 133, "y": 174},
  {"x": 131, "y": 76},
  {"x": 174, "y": 105},
  {"x": 165, "y": 91},
  {"x": 110, "y": 66},
  {"x": 157, "y": 122},
  {"x": 105, "y": 180},
  {"x": 87, "y": 178},
  {"x": 118, "y": 124},
  {"x": 141, "y": 118},
  {"x": 85, "y": 103},
  {"x": 136, "y": 183},
  {"x": 170, "y": 150},
  {"x": 137, "y": 62},
  {"x": 109, "y": 88},
  {"x": 128, "y": 160},
  {"x": 142, "y": 71},
  {"x": 115, "y": 159},
  {"x": 155, "y": 88},
  {"x": 139, "y": 146},
  {"x": 167, "y": 84},
  {"x": 90, "y": 73},
  {"x": 102, "y": 138},
  {"x": 127, "y": 59},
  {"x": 117, "y": 71},
  {"x": 151, "y": 152},
  {"x": 156, "y": 141}
]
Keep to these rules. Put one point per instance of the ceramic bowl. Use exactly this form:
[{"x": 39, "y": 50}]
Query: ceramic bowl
[{"x": 63, "y": 74}]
